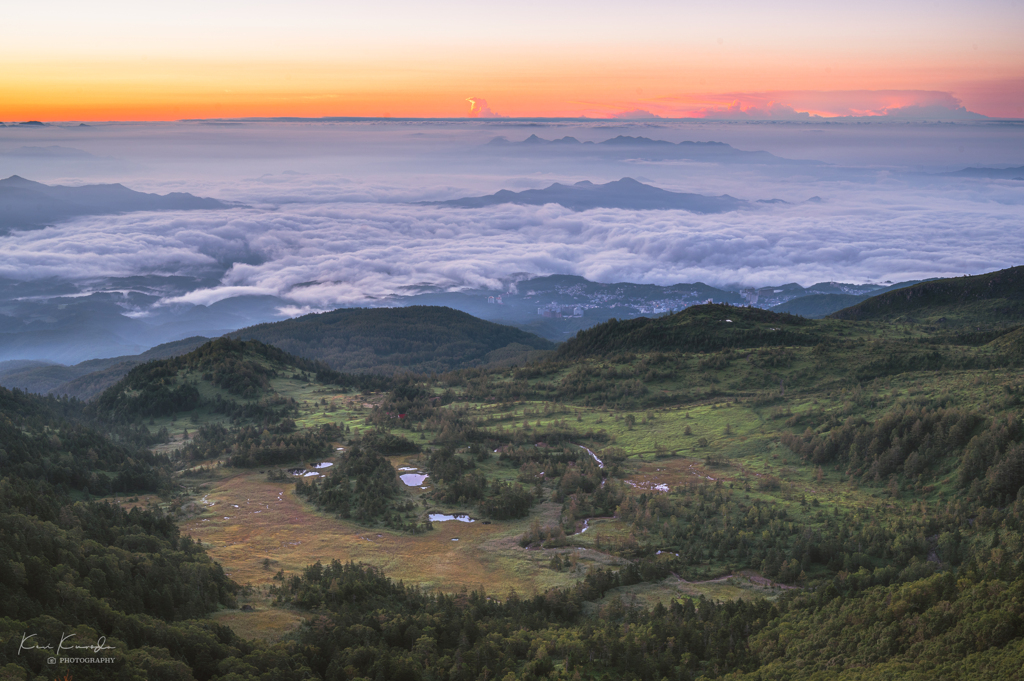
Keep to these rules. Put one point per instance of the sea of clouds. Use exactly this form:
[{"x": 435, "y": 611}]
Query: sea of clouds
[{"x": 327, "y": 214}]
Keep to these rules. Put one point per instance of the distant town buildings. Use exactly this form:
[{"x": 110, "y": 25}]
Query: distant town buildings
[{"x": 556, "y": 311}]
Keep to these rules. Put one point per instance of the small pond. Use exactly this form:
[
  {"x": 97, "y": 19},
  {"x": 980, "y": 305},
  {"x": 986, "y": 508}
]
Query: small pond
[
  {"x": 441, "y": 517},
  {"x": 414, "y": 479}
]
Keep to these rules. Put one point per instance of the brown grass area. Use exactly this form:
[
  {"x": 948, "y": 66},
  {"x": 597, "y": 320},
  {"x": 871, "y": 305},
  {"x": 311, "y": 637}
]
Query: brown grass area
[
  {"x": 264, "y": 623},
  {"x": 675, "y": 472},
  {"x": 271, "y": 523},
  {"x": 746, "y": 585}
]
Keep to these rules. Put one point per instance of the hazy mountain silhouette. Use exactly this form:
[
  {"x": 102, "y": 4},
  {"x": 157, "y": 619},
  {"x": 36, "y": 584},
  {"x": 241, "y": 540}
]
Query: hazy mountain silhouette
[
  {"x": 27, "y": 204},
  {"x": 626, "y": 193},
  {"x": 625, "y": 147},
  {"x": 990, "y": 173}
]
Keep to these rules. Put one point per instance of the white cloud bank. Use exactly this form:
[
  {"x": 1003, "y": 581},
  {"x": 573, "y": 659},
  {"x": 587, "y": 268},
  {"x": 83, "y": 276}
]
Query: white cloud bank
[{"x": 320, "y": 256}]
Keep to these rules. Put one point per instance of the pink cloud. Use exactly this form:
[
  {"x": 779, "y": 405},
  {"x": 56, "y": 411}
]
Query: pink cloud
[{"x": 478, "y": 108}]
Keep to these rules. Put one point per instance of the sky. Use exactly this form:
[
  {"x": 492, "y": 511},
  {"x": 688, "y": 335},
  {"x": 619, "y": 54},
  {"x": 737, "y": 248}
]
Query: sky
[{"x": 735, "y": 59}]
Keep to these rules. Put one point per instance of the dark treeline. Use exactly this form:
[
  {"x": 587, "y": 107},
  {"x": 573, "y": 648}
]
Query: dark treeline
[
  {"x": 249, "y": 447},
  {"x": 375, "y": 628}
]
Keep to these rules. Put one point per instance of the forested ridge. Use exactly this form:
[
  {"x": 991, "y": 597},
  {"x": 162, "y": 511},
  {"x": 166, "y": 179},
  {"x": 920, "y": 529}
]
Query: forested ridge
[
  {"x": 420, "y": 339},
  {"x": 242, "y": 370},
  {"x": 994, "y": 299},
  {"x": 695, "y": 329}
]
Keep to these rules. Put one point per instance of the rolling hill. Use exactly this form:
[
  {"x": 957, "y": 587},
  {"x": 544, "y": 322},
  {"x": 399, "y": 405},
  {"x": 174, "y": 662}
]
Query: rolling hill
[
  {"x": 420, "y": 339},
  {"x": 985, "y": 301},
  {"x": 701, "y": 328}
]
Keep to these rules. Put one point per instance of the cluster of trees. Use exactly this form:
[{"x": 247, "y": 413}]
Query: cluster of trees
[
  {"x": 375, "y": 628},
  {"x": 507, "y": 500},
  {"x": 454, "y": 478},
  {"x": 362, "y": 485},
  {"x": 249, "y": 447},
  {"x": 907, "y": 439},
  {"x": 457, "y": 481},
  {"x": 155, "y": 396},
  {"x": 919, "y": 442},
  {"x": 267, "y": 411}
]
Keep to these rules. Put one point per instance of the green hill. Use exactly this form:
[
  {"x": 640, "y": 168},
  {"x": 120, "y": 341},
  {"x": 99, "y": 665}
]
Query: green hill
[
  {"x": 241, "y": 380},
  {"x": 700, "y": 328},
  {"x": 419, "y": 339},
  {"x": 985, "y": 301}
]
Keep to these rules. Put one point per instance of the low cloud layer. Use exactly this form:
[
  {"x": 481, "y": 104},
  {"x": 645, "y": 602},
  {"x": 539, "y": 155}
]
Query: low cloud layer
[{"x": 326, "y": 255}]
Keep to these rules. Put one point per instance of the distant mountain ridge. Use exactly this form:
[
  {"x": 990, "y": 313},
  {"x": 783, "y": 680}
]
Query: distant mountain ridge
[
  {"x": 625, "y": 146},
  {"x": 626, "y": 194},
  {"x": 820, "y": 304},
  {"x": 25, "y": 204},
  {"x": 989, "y": 173}
]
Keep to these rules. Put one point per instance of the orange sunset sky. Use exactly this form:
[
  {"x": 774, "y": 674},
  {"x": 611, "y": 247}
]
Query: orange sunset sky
[{"x": 120, "y": 60}]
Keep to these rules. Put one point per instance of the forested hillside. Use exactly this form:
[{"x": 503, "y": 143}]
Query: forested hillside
[
  {"x": 701, "y": 328},
  {"x": 420, "y": 339},
  {"x": 994, "y": 300},
  {"x": 724, "y": 492},
  {"x": 95, "y": 571}
]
